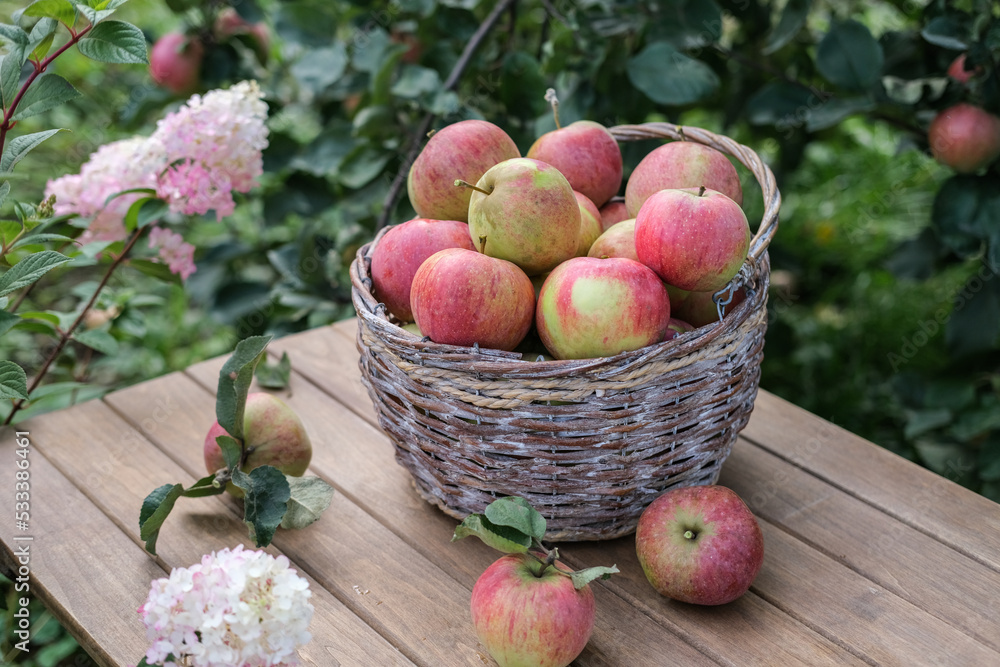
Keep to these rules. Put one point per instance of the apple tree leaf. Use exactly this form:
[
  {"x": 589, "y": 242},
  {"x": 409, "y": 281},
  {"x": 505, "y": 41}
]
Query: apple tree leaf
[
  {"x": 517, "y": 513},
  {"x": 276, "y": 375},
  {"x": 155, "y": 509},
  {"x": 310, "y": 496},
  {"x": 502, "y": 538},
  {"x": 234, "y": 383},
  {"x": 583, "y": 577},
  {"x": 265, "y": 501},
  {"x": 13, "y": 381},
  {"x": 231, "y": 451}
]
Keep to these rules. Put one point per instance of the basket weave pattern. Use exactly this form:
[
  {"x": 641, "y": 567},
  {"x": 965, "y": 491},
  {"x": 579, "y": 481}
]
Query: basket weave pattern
[{"x": 591, "y": 442}]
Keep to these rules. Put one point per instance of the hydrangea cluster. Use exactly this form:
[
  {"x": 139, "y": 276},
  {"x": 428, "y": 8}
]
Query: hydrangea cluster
[
  {"x": 236, "y": 608},
  {"x": 195, "y": 159}
]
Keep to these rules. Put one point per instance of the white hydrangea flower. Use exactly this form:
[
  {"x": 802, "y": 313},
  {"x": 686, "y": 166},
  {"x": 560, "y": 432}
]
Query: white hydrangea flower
[{"x": 238, "y": 607}]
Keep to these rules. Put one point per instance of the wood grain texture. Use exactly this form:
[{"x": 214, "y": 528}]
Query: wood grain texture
[
  {"x": 84, "y": 569},
  {"x": 938, "y": 507},
  {"x": 121, "y": 467}
]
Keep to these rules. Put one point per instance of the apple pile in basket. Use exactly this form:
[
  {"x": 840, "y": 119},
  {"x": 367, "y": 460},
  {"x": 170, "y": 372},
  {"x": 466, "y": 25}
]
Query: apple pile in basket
[{"x": 505, "y": 242}]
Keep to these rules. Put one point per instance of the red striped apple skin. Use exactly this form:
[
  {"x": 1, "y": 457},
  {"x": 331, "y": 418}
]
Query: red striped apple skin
[{"x": 681, "y": 164}]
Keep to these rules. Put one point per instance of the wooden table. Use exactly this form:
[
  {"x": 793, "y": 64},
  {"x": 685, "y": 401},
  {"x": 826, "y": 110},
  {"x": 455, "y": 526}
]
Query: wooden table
[{"x": 869, "y": 558}]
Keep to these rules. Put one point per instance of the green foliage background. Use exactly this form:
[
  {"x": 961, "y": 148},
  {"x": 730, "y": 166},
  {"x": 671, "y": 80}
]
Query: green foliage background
[{"x": 884, "y": 312}]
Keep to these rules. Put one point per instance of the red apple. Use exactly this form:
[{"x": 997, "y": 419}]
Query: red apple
[
  {"x": 695, "y": 239},
  {"x": 272, "y": 432},
  {"x": 681, "y": 164},
  {"x": 587, "y": 155},
  {"x": 590, "y": 224},
  {"x": 528, "y": 214},
  {"x": 590, "y": 307},
  {"x": 699, "y": 544},
  {"x": 175, "y": 62},
  {"x": 614, "y": 212},
  {"x": 676, "y": 327},
  {"x": 464, "y": 150},
  {"x": 526, "y": 613},
  {"x": 463, "y": 297},
  {"x": 958, "y": 72},
  {"x": 617, "y": 241},
  {"x": 965, "y": 138},
  {"x": 402, "y": 250}
]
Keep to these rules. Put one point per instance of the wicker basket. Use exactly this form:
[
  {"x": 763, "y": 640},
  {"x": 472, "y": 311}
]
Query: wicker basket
[{"x": 590, "y": 443}]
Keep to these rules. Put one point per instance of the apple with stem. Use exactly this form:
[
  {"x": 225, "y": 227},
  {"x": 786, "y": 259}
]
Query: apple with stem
[
  {"x": 695, "y": 239},
  {"x": 402, "y": 250},
  {"x": 464, "y": 297},
  {"x": 273, "y": 435},
  {"x": 175, "y": 62},
  {"x": 590, "y": 307},
  {"x": 527, "y": 212},
  {"x": 965, "y": 137},
  {"x": 585, "y": 152},
  {"x": 699, "y": 544},
  {"x": 464, "y": 150},
  {"x": 681, "y": 164}
]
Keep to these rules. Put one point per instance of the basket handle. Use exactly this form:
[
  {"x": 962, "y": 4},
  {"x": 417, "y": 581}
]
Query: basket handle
[{"x": 746, "y": 156}]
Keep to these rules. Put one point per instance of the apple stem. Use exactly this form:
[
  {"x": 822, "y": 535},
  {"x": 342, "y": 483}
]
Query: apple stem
[
  {"x": 465, "y": 184},
  {"x": 550, "y": 97},
  {"x": 701, "y": 191},
  {"x": 482, "y": 244},
  {"x": 689, "y": 534}
]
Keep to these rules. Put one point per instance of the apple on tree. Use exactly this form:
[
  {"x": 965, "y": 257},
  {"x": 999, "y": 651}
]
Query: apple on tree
[
  {"x": 527, "y": 212},
  {"x": 590, "y": 307},
  {"x": 528, "y": 608},
  {"x": 463, "y": 297},
  {"x": 402, "y": 250},
  {"x": 681, "y": 164},
  {"x": 273, "y": 435},
  {"x": 699, "y": 544},
  {"x": 695, "y": 239},
  {"x": 965, "y": 137},
  {"x": 958, "y": 72},
  {"x": 464, "y": 150},
  {"x": 585, "y": 152},
  {"x": 175, "y": 62}
]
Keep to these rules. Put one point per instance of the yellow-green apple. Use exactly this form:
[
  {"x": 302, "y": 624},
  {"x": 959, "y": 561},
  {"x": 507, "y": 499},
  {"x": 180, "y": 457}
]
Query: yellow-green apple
[
  {"x": 699, "y": 308},
  {"x": 175, "y": 62},
  {"x": 463, "y": 297},
  {"x": 681, "y": 164},
  {"x": 699, "y": 544},
  {"x": 272, "y": 434},
  {"x": 590, "y": 224},
  {"x": 527, "y": 614},
  {"x": 676, "y": 327},
  {"x": 965, "y": 137},
  {"x": 958, "y": 72},
  {"x": 586, "y": 154},
  {"x": 402, "y": 250},
  {"x": 464, "y": 150},
  {"x": 695, "y": 239},
  {"x": 617, "y": 241},
  {"x": 528, "y": 214},
  {"x": 591, "y": 307},
  {"x": 614, "y": 212}
]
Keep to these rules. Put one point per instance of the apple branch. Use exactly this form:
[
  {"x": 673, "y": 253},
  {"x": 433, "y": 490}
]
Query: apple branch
[{"x": 416, "y": 141}]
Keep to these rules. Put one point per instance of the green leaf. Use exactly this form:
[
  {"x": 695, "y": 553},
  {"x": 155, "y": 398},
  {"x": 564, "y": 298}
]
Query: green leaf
[
  {"x": 319, "y": 68},
  {"x": 362, "y": 165},
  {"x": 13, "y": 381},
  {"x": 94, "y": 14},
  {"x": 669, "y": 77},
  {"x": 33, "y": 239},
  {"x": 231, "y": 451},
  {"x": 204, "y": 487},
  {"x": 919, "y": 422},
  {"x": 60, "y": 10},
  {"x": 115, "y": 42},
  {"x": 583, "y": 577},
  {"x": 30, "y": 269},
  {"x": 501, "y": 538},
  {"x": 265, "y": 501},
  {"x": 41, "y": 38},
  {"x": 156, "y": 270},
  {"x": 415, "y": 81},
  {"x": 99, "y": 340},
  {"x": 276, "y": 375},
  {"x": 848, "y": 56},
  {"x": 974, "y": 326},
  {"x": 911, "y": 91},
  {"x": 947, "y": 32},
  {"x": 518, "y": 514},
  {"x": 7, "y": 320},
  {"x": 144, "y": 212},
  {"x": 793, "y": 18},
  {"x": 309, "y": 498},
  {"x": 20, "y": 146},
  {"x": 48, "y": 92},
  {"x": 965, "y": 211},
  {"x": 10, "y": 73},
  {"x": 155, "y": 509},
  {"x": 14, "y": 34},
  {"x": 234, "y": 383},
  {"x": 4, "y": 191},
  {"x": 834, "y": 110}
]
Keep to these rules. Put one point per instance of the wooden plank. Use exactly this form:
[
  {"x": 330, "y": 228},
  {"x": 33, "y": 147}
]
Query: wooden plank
[
  {"x": 121, "y": 467},
  {"x": 90, "y": 575},
  {"x": 359, "y": 461},
  {"x": 923, "y": 499},
  {"x": 941, "y": 581}
]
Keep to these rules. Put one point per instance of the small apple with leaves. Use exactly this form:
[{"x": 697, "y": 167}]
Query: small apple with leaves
[{"x": 527, "y": 607}]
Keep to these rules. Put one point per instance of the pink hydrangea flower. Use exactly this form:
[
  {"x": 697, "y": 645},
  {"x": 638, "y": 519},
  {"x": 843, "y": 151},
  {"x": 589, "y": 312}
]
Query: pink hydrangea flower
[
  {"x": 236, "y": 607},
  {"x": 173, "y": 251}
]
